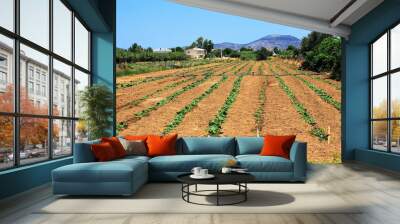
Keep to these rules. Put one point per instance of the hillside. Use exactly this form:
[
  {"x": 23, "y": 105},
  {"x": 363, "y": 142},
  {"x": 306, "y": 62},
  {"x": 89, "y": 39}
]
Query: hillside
[{"x": 269, "y": 42}]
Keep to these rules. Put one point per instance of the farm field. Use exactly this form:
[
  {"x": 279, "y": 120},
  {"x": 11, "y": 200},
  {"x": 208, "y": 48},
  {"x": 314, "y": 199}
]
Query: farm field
[{"x": 235, "y": 98}]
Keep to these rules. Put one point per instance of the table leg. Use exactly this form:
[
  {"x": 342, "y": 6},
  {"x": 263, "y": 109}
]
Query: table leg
[
  {"x": 245, "y": 193},
  {"x": 217, "y": 194}
]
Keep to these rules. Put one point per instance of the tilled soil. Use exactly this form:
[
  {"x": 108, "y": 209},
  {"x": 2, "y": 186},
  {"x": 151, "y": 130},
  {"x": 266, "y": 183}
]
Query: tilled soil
[
  {"x": 331, "y": 90},
  {"x": 129, "y": 94},
  {"x": 326, "y": 116},
  {"x": 129, "y": 112},
  {"x": 243, "y": 109},
  {"x": 129, "y": 78},
  {"x": 196, "y": 122},
  {"x": 158, "y": 119},
  {"x": 280, "y": 117}
]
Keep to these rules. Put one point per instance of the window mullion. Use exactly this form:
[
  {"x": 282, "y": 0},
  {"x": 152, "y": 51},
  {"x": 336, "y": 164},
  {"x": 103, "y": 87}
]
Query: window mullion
[
  {"x": 50, "y": 81},
  {"x": 389, "y": 104}
]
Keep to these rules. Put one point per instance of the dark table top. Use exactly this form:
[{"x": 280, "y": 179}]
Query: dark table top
[{"x": 220, "y": 178}]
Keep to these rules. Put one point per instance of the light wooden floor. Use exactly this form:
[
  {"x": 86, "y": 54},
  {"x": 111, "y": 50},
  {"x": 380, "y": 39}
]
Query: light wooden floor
[{"x": 379, "y": 189}]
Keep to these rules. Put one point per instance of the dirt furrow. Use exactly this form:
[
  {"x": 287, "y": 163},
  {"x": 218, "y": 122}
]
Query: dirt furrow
[
  {"x": 128, "y": 94},
  {"x": 128, "y": 90},
  {"x": 129, "y": 78},
  {"x": 331, "y": 90},
  {"x": 157, "y": 120},
  {"x": 281, "y": 118},
  {"x": 196, "y": 122},
  {"x": 243, "y": 109},
  {"x": 127, "y": 113},
  {"x": 326, "y": 116}
]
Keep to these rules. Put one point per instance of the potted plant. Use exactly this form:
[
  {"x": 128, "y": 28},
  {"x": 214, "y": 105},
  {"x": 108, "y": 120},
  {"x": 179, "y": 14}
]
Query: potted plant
[{"x": 96, "y": 102}]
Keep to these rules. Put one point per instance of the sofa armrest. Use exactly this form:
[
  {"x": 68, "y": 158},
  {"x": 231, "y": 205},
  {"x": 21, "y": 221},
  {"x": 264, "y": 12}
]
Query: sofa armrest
[
  {"x": 298, "y": 155},
  {"x": 83, "y": 152}
]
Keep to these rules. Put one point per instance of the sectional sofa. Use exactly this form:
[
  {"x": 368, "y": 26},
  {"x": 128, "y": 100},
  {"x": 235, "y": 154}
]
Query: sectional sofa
[{"x": 125, "y": 176}]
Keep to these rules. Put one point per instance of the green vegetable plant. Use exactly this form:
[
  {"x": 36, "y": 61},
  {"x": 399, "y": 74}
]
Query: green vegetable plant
[
  {"x": 300, "y": 108},
  {"x": 215, "y": 125},
  {"x": 320, "y": 92},
  {"x": 180, "y": 115}
]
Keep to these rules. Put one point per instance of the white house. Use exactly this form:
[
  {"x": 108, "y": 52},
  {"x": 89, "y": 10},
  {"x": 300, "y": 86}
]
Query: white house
[{"x": 195, "y": 52}]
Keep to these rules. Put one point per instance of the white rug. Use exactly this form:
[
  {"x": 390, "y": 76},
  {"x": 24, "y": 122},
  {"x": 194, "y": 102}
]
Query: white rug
[{"x": 166, "y": 198}]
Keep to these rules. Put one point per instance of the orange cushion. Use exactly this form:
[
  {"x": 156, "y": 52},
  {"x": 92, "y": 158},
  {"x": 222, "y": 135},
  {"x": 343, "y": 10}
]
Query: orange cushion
[
  {"x": 277, "y": 145},
  {"x": 103, "y": 152},
  {"x": 161, "y": 145},
  {"x": 116, "y": 145}
]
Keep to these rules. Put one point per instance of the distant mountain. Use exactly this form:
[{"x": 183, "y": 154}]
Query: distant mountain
[{"x": 269, "y": 42}]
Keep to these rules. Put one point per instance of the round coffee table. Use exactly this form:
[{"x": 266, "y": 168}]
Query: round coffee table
[{"x": 238, "y": 179}]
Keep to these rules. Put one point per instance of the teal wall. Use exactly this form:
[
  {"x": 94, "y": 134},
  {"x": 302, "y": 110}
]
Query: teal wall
[
  {"x": 356, "y": 98},
  {"x": 100, "y": 16}
]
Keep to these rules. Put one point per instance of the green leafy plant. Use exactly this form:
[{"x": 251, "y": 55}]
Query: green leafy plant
[
  {"x": 171, "y": 97},
  {"x": 97, "y": 103},
  {"x": 320, "y": 92},
  {"x": 215, "y": 125},
  {"x": 300, "y": 108},
  {"x": 180, "y": 115},
  {"x": 259, "y": 114}
]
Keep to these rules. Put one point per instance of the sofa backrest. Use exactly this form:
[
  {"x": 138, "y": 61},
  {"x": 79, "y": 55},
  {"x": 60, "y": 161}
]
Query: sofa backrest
[
  {"x": 206, "y": 145},
  {"x": 83, "y": 152},
  {"x": 249, "y": 145}
]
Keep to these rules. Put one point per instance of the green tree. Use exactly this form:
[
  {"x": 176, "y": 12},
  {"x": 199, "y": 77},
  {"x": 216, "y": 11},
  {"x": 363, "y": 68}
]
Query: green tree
[
  {"x": 135, "y": 48},
  {"x": 311, "y": 41},
  {"x": 208, "y": 45},
  {"x": 325, "y": 57},
  {"x": 263, "y": 53}
]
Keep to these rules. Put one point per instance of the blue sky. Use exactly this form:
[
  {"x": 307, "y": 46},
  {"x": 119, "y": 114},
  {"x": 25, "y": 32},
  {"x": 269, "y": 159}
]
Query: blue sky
[{"x": 159, "y": 23}]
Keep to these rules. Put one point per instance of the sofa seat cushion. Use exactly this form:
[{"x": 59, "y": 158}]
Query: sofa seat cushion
[
  {"x": 112, "y": 171},
  {"x": 185, "y": 163},
  {"x": 257, "y": 163}
]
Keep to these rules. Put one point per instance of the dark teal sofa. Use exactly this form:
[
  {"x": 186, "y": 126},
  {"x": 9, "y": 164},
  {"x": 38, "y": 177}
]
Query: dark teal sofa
[{"x": 125, "y": 176}]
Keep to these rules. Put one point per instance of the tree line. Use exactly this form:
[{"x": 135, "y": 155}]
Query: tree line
[{"x": 319, "y": 52}]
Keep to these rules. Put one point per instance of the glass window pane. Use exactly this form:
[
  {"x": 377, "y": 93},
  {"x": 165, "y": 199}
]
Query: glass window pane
[
  {"x": 395, "y": 94},
  {"x": 62, "y": 89},
  {"x": 395, "y": 47},
  {"x": 379, "y": 56},
  {"x": 379, "y": 97},
  {"x": 6, "y": 142},
  {"x": 62, "y": 138},
  {"x": 62, "y": 29},
  {"x": 379, "y": 135},
  {"x": 33, "y": 140},
  {"x": 7, "y": 14},
  {"x": 395, "y": 136},
  {"x": 6, "y": 74},
  {"x": 81, "y": 131},
  {"x": 34, "y": 80},
  {"x": 35, "y": 21},
  {"x": 81, "y": 45},
  {"x": 81, "y": 82}
]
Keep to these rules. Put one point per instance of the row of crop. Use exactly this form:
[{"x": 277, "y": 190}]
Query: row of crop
[
  {"x": 171, "y": 97},
  {"x": 173, "y": 85},
  {"x": 300, "y": 108},
  {"x": 259, "y": 113},
  {"x": 320, "y": 92},
  {"x": 317, "y": 77},
  {"x": 165, "y": 88},
  {"x": 180, "y": 115},
  {"x": 156, "y": 78},
  {"x": 215, "y": 125}
]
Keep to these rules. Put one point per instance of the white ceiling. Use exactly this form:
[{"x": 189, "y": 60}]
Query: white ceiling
[{"x": 327, "y": 16}]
